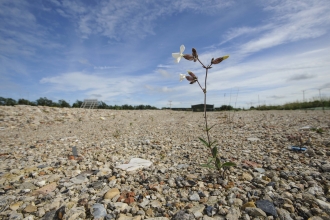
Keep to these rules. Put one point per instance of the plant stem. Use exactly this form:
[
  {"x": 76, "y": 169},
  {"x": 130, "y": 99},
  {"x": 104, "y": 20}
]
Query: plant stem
[{"x": 205, "y": 116}]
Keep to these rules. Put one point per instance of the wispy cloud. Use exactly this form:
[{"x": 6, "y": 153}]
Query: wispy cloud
[
  {"x": 163, "y": 66},
  {"x": 164, "y": 73},
  {"x": 301, "y": 77},
  {"x": 104, "y": 67},
  {"x": 119, "y": 19},
  {"x": 276, "y": 97}
]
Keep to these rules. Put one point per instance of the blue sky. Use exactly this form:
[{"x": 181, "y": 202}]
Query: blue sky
[{"x": 120, "y": 51}]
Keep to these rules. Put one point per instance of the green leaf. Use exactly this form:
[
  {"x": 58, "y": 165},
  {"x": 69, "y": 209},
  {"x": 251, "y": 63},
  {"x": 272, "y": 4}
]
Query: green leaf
[
  {"x": 213, "y": 143},
  {"x": 218, "y": 163},
  {"x": 204, "y": 165},
  {"x": 204, "y": 142},
  {"x": 215, "y": 151},
  {"x": 207, "y": 129},
  {"x": 210, "y": 160},
  {"x": 229, "y": 164},
  {"x": 207, "y": 165}
]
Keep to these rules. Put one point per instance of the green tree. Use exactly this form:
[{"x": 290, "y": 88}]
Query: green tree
[
  {"x": 226, "y": 107},
  {"x": 102, "y": 105},
  {"x": 44, "y": 101},
  {"x": 24, "y": 102},
  {"x": 62, "y": 103},
  {"x": 2, "y": 101},
  {"x": 10, "y": 101},
  {"x": 77, "y": 104}
]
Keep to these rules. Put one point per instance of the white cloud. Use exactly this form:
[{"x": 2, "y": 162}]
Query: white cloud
[
  {"x": 164, "y": 73},
  {"x": 122, "y": 19},
  {"x": 104, "y": 67}
]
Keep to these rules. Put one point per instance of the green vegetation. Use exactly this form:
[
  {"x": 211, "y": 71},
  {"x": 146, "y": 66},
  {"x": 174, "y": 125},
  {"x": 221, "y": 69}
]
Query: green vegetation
[
  {"x": 314, "y": 104},
  {"x": 43, "y": 101}
]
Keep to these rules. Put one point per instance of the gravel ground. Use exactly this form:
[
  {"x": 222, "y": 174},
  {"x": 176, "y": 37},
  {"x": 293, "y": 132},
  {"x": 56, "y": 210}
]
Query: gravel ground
[{"x": 40, "y": 178}]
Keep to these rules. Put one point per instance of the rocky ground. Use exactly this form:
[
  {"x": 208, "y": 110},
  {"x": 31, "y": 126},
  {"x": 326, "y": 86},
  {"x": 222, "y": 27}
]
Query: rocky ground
[{"x": 41, "y": 178}]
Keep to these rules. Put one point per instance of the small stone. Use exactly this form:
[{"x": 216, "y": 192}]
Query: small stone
[
  {"x": 252, "y": 164},
  {"x": 112, "y": 178},
  {"x": 30, "y": 208},
  {"x": 182, "y": 215},
  {"x": 129, "y": 200},
  {"x": 325, "y": 206},
  {"x": 98, "y": 211},
  {"x": 41, "y": 183},
  {"x": 255, "y": 212},
  {"x": 78, "y": 213},
  {"x": 155, "y": 204},
  {"x": 50, "y": 215},
  {"x": 249, "y": 204},
  {"x": 27, "y": 185},
  {"x": 150, "y": 212},
  {"x": 283, "y": 214},
  {"x": 198, "y": 215},
  {"x": 289, "y": 207},
  {"x": 83, "y": 202},
  {"x": 209, "y": 210},
  {"x": 16, "y": 205},
  {"x": 15, "y": 216},
  {"x": 194, "y": 197},
  {"x": 260, "y": 170},
  {"x": 46, "y": 189},
  {"x": 144, "y": 203},
  {"x": 198, "y": 208},
  {"x": 120, "y": 206},
  {"x": 267, "y": 206},
  {"x": 111, "y": 193},
  {"x": 233, "y": 213},
  {"x": 41, "y": 212},
  {"x": 247, "y": 176}
]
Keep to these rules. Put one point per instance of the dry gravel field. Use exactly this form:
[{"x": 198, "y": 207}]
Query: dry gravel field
[{"x": 41, "y": 178}]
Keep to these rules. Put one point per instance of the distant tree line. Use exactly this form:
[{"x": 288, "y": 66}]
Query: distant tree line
[
  {"x": 324, "y": 103},
  {"x": 43, "y": 101}
]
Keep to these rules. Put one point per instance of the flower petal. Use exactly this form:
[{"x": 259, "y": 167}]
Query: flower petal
[
  {"x": 176, "y": 55},
  {"x": 182, "y": 77},
  {"x": 182, "y": 48},
  {"x": 178, "y": 59}
]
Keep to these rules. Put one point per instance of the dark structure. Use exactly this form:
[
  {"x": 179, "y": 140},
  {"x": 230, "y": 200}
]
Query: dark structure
[
  {"x": 200, "y": 108},
  {"x": 90, "y": 103},
  {"x": 181, "y": 109}
]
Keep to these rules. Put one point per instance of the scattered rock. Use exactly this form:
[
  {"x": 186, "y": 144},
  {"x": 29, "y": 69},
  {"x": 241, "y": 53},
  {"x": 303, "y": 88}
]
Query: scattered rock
[
  {"x": 98, "y": 211},
  {"x": 267, "y": 207},
  {"x": 111, "y": 193}
]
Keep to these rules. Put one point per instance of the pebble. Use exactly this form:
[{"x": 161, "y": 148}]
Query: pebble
[
  {"x": 146, "y": 164},
  {"x": 111, "y": 193},
  {"x": 98, "y": 211},
  {"x": 267, "y": 206}
]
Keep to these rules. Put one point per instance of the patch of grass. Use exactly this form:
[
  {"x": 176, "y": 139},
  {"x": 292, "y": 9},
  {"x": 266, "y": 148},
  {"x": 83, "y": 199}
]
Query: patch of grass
[{"x": 318, "y": 130}]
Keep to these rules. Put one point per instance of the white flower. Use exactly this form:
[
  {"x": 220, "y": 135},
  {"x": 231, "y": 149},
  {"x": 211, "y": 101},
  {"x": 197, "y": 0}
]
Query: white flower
[
  {"x": 182, "y": 77},
  {"x": 177, "y": 56}
]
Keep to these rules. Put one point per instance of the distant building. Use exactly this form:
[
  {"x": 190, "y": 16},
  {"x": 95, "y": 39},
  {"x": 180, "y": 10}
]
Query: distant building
[
  {"x": 90, "y": 103},
  {"x": 200, "y": 108},
  {"x": 181, "y": 109}
]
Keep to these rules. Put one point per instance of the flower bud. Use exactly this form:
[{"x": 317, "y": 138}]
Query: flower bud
[
  {"x": 188, "y": 57},
  {"x": 192, "y": 74},
  {"x": 219, "y": 60},
  {"x": 194, "y": 54},
  {"x": 191, "y": 79}
]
